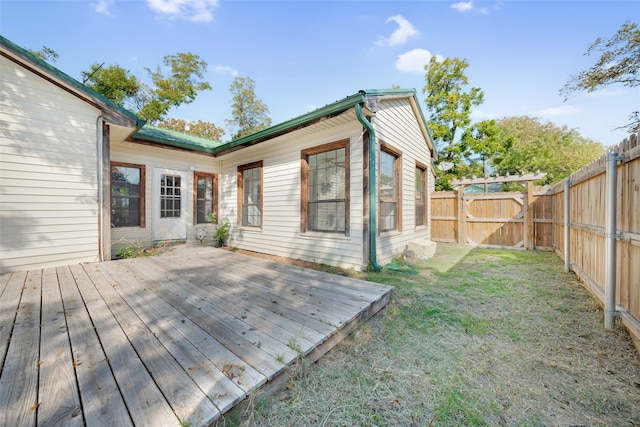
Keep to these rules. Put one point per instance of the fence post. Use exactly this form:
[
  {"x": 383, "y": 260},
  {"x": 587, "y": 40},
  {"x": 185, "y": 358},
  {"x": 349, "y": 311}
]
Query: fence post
[
  {"x": 529, "y": 214},
  {"x": 461, "y": 216},
  {"x": 567, "y": 225},
  {"x": 610, "y": 241}
]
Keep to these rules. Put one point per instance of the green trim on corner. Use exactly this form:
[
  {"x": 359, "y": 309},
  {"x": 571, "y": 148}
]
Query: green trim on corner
[
  {"x": 47, "y": 68},
  {"x": 149, "y": 133}
]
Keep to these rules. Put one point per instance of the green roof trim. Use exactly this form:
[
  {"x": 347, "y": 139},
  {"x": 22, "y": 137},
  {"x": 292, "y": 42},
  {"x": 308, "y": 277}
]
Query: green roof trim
[
  {"x": 174, "y": 138},
  {"x": 289, "y": 125},
  {"x": 53, "y": 71},
  {"x": 329, "y": 110}
]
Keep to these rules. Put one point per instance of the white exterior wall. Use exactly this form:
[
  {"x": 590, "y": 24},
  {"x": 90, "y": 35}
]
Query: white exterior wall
[
  {"x": 48, "y": 174},
  {"x": 151, "y": 158},
  {"x": 280, "y": 233},
  {"x": 396, "y": 125}
]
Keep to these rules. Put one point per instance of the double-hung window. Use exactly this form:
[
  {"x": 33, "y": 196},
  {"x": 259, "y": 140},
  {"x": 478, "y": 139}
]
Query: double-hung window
[
  {"x": 127, "y": 195},
  {"x": 421, "y": 195},
  {"x": 205, "y": 191},
  {"x": 250, "y": 195},
  {"x": 389, "y": 190},
  {"x": 325, "y": 188}
]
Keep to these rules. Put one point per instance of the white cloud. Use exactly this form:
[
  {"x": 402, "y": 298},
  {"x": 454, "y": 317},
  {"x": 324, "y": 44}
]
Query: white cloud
[
  {"x": 102, "y": 7},
  {"x": 415, "y": 60},
  {"x": 191, "y": 10},
  {"x": 563, "y": 110},
  {"x": 223, "y": 69},
  {"x": 463, "y": 6},
  {"x": 400, "y": 36},
  {"x": 605, "y": 93}
]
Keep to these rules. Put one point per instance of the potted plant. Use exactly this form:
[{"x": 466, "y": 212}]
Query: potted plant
[{"x": 222, "y": 231}]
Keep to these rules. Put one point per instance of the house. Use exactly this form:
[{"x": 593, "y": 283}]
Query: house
[{"x": 82, "y": 177}]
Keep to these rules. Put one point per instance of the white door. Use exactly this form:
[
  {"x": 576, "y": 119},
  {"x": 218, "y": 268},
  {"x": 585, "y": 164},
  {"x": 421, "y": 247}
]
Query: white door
[{"x": 169, "y": 204}]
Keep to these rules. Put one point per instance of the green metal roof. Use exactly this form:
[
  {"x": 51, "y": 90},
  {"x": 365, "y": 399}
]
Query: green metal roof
[
  {"x": 49, "y": 69},
  {"x": 307, "y": 119},
  {"x": 174, "y": 138}
]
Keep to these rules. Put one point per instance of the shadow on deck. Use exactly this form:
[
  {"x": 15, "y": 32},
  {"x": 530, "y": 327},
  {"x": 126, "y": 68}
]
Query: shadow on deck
[{"x": 178, "y": 338}]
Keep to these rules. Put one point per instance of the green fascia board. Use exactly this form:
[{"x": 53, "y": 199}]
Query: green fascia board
[
  {"x": 174, "y": 138},
  {"x": 295, "y": 123},
  {"x": 308, "y": 118},
  {"x": 53, "y": 71}
]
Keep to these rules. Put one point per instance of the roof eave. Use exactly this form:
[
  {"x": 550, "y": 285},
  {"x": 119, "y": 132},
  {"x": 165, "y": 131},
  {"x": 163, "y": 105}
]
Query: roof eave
[
  {"x": 111, "y": 112},
  {"x": 293, "y": 124}
]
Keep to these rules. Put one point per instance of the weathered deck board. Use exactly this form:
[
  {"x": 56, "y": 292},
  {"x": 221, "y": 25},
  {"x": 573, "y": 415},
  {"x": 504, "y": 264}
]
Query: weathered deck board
[
  {"x": 271, "y": 340},
  {"x": 221, "y": 390},
  {"x": 19, "y": 382},
  {"x": 58, "y": 395},
  {"x": 101, "y": 399},
  {"x": 219, "y": 355},
  {"x": 188, "y": 402},
  {"x": 9, "y": 302},
  {"x": 265, "y": 273},
  {"x": 246, "y": 350},
  {"x": 158, "y": 341},
  {"x": 147, "y": 405},
  {"x": 4, "y": 280}
]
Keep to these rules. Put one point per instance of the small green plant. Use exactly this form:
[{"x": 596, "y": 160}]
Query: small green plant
[
  {"x": 126, "y": 252},
  {"x": 293, "y": 345},
  {"x": 135, "y": 249},
  {"x": 222, "y": 230},
  {"x": 280, "y": 358}
]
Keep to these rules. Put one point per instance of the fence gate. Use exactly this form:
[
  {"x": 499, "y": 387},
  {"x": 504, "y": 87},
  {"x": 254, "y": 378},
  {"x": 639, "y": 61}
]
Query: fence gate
[{"x": 490, "y": 219}]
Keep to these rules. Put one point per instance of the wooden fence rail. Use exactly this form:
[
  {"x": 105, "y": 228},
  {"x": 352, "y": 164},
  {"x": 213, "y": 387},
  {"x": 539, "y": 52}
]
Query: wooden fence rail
[{"x": 536, "y": 221}]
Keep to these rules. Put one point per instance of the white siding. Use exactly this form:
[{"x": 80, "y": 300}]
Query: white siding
[
  {"x": 280, "y": 234},
  {"x": 396, "y": 124},
  {"x": 150, "y": 158},
  {"x": 48, "y": 174}
]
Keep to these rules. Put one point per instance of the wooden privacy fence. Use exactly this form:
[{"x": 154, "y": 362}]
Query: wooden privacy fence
[{"x": 536, "y": 221}]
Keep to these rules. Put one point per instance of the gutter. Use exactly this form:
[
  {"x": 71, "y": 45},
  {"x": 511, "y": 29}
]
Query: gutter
[{"x": 373, "y": 205}]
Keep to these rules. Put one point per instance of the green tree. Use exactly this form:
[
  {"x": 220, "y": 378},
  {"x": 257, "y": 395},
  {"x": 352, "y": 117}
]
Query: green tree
[
  {"x": 450, "y": 109},
  {"x": 619, "y": 63},
  {"x": 529, "y": 146},
  {"x": 483, "y": 140},
  {"x": 151, "y": 103},
  {"x": 180, "y": 87},
  {"x": 249, "y": 114},
  {"x": 114, "y": 82},
  {"x": 198, "y": 128},
  {"x": 449, "y": 105},
  {"x": 46, "y": 54}
]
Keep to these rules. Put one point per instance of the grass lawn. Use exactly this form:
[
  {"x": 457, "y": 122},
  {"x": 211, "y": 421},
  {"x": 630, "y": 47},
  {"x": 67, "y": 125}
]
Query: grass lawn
[{"x": 478, "y": 337}]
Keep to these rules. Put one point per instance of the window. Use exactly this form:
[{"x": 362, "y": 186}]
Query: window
[
  {"x": 127, "y": 195},
  {"x": 250, "y": 195},
  {"x": 170, "y": 196},
  {"x": 389, "y": 191},
  {"x": 421, "y": 195},
  {"x": 325, "y": 188},
  {"x": 205, "y": 192}
]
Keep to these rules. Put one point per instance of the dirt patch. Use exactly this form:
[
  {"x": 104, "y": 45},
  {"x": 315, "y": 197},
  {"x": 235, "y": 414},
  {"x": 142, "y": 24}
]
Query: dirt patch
[{"x": 478, "y": 337}]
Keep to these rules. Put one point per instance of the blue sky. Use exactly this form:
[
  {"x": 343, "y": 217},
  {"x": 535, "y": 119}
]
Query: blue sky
[{"x": 306, "y": 54}]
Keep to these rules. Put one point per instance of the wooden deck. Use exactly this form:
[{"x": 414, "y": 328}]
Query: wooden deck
[{"x": 182, "y": 337}]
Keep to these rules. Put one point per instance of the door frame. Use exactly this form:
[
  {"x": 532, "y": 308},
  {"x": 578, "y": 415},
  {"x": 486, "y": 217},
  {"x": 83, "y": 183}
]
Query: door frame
[{"x": 174, "y": 229}]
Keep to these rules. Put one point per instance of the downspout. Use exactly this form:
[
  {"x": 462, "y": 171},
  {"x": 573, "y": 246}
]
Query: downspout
[
  {"x": 100, "y": 195},
  {"x": 373, "y": 205}
]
